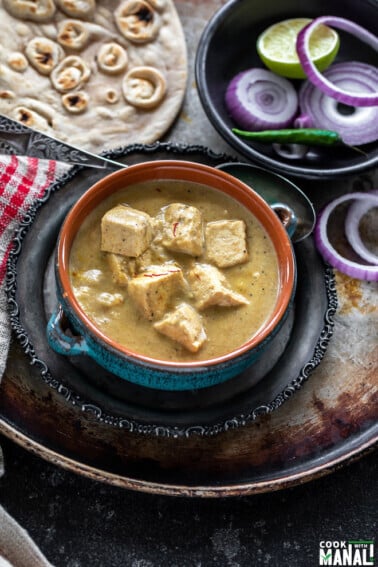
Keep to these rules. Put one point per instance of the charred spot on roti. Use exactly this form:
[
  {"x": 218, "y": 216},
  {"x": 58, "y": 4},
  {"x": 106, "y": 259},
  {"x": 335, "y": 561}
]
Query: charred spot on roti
[
  {"x": 137, "y": 21},
  {"x": 7, "y": 95},
  {"x": 35, "y": 10},
  {"x": 144, "y": 87},
  {"x": 71, "y": 73},
  {"x": 31, "y": 118},
  {"x": 111, "y": 96},
  {"x": 73, "y": 34},
  {"x": 76, "y": 102},
  {"x": 43, "y": 54},
  {"x": 144, "y": 14},
  {"x": 112, "y": 58},
  {"x": 77, "y": 8},
  {"x": 17, "y": 62}
]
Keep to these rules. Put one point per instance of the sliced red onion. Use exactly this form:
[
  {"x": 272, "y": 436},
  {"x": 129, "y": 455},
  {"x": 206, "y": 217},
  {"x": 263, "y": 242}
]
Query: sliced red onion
[
  {"x": 258, "y": 99},
  {"x": 329, "y": 253},
  {"x": 355, "y": 125},
  {"x": 352, "y": 222},
  {"x": 350, "y": 97},
  {"x": 304, "y": 120}
]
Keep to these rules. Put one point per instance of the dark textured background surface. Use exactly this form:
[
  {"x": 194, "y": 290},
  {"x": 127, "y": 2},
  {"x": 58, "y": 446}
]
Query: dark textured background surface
[{"x": 78, "y": 522}]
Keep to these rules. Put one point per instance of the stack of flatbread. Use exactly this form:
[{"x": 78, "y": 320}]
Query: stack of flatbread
[{"x": 98, "y": 74}]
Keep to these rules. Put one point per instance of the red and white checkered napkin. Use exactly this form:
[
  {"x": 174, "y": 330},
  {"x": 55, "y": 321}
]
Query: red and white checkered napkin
[{"x": 22, "y": 180}]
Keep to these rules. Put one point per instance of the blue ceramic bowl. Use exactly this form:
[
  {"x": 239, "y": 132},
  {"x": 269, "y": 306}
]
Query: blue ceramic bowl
[{"x": 87, "y": 339}]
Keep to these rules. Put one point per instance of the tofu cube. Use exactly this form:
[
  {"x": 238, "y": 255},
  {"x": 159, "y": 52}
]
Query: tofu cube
[
  {"x": 183, "y": 325},
  {"x": 153, "y": 290},
  {"x": 210, "y": 287},
  {"x": 120, "y": 268},
  {"x": 181, "y": 229},
  {"x": 226, "y": 243},
  {"x": 125, "y": 231},
  {"x": 155, "y": 254}
]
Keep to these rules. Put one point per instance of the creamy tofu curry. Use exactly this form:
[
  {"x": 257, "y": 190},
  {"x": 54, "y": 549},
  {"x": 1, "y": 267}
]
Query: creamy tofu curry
[{"x": 174, "y": 270}]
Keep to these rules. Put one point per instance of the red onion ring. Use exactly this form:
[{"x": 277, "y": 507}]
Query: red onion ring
[
  {"x": 304, "y": 121},
  {"x": 347, "y": 97},
  {"x": 258, "y": 99},
  {"x": 329, "y": 253},
  {"x": 352, "y": 221},
  {"x": 360, "y": 125}
]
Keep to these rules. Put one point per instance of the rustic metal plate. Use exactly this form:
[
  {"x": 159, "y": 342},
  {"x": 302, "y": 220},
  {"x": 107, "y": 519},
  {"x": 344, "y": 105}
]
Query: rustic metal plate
[
  {"x": 322, "y": 425},
  {"x": 331, "y": 421}
]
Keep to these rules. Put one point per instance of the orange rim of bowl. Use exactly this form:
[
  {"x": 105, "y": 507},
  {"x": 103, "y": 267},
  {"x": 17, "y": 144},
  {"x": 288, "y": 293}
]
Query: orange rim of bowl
[{"x": 192, "y": 172}]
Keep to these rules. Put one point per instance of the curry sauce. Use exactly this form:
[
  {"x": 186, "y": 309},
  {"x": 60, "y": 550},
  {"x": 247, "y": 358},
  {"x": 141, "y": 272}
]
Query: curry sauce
[{"x": 112, "y": 288}]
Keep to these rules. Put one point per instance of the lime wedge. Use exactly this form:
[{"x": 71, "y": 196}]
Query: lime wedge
[{"x": 276, "y": 47}]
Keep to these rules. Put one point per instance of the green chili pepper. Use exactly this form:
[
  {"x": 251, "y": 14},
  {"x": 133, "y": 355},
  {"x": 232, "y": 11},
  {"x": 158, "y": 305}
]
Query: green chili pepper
[{"x": 310, "y": 136}]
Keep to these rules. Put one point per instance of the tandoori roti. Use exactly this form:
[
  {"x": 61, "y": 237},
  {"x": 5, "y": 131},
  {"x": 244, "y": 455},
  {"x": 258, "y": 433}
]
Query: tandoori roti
[{"x": 97, "y": 74}]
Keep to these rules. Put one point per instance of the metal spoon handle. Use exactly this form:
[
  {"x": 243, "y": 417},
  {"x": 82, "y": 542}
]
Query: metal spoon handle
[{"x": 18, "y": 139}]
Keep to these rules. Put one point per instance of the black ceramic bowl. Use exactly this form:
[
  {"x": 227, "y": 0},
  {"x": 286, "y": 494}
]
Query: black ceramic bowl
[{"x": 228, "y": 46}]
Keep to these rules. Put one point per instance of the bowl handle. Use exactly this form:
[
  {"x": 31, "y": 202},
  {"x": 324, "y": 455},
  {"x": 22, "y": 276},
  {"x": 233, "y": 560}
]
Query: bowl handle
[
  {"x": 61, "y": 339},
  {"x": 275, "y": 189}
]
